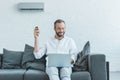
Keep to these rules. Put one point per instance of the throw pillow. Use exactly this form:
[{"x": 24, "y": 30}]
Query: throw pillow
[
  {"x": 28, "y": 54},
  {"x": 82, "y": 62},
  {"x": 86, "y": 49},
  {"x": 29, "y": 61},
  {"x": 11, "y": 59}
]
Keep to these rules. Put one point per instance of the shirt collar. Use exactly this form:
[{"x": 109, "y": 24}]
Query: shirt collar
[{"x": 59, "y": 40}]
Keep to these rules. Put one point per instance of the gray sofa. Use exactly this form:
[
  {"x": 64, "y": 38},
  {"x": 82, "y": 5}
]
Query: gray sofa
[{"x": 96, "y": 70}]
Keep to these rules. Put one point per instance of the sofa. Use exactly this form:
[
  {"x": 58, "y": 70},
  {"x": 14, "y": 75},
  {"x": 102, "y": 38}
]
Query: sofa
[{"x": 23, "y": 67}]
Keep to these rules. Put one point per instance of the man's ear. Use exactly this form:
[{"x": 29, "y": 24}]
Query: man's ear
[{"x": 55, "y": 28}]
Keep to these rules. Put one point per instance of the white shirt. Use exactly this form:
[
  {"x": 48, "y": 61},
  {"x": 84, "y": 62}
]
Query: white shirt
[{"x": 63, "y": 46}]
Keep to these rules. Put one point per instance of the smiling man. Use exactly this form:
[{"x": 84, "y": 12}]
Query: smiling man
[{"x": 59, "y": 44}]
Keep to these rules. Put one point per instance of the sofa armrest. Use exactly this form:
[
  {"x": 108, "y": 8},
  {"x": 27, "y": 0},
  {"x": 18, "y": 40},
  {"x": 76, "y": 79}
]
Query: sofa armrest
[
  {"x": 0, "y": 60},
  {"x": 97, "y": 66},
  {"x": 107, "y": 68}
]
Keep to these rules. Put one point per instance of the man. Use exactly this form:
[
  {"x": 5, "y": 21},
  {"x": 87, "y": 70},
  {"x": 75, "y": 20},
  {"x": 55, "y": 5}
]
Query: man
[{"x": 58, "y": 44}]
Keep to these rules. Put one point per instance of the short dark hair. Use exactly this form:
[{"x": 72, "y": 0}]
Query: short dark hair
[{"x": 58, "y": 21}]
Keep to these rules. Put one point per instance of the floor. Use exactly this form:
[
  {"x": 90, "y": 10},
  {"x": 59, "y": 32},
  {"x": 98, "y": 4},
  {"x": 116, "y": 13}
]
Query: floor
[{"x": 115, "y": 75}]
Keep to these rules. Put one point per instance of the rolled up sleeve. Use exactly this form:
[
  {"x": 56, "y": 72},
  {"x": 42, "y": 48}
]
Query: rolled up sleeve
[
  {"x": 73, "y": 50},
  {"x": 41, "y": 52}
]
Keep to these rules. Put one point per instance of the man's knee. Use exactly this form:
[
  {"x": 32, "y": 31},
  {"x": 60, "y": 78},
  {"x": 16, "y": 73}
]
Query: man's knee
[
  {"x": 65, "y": 72},
  {"x": 51, "y": 70},
  {"x": 52, "y": 73}
]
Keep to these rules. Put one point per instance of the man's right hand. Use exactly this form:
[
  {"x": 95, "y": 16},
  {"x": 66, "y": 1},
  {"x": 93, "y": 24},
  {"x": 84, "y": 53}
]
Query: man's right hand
[{"x": 36, "y": 32}]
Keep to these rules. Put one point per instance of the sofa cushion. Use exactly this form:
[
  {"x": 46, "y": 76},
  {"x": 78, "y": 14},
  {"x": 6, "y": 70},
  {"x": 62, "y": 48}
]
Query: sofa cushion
[
  {"x": 35, "y": 75},
  {"x": 29, "y": 61},
  {"x": 81, "y": 63},
  {"x": 11, "y": 59},
  {"x": 82, "y": 75},
  {"x": 12, "y": 74}
]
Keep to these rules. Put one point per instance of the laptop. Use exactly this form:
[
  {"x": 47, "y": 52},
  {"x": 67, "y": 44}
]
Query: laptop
[{"x": 59, "y": 60}]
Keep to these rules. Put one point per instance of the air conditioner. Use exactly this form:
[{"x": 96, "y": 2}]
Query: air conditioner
[{"x": 31, "y": 6}]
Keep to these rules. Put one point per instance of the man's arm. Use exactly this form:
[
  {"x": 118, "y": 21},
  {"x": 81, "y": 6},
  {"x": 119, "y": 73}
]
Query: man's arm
[
  {"x": 73, "y": 51},
  {"x": 36, "y": 36}
]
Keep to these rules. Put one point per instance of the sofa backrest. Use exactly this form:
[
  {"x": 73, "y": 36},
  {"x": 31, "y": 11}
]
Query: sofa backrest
[{"x": 11, "y": 59}]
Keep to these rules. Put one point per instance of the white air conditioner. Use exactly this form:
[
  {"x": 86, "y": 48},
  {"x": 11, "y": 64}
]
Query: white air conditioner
[{"x": 31, "y": 6}]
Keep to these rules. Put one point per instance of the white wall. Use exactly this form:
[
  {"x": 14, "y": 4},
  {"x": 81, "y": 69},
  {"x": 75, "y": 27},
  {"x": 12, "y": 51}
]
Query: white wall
[{"x": 95, "y": 20}]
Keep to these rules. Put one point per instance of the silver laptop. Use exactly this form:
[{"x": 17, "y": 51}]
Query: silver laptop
[{"x": 59, "y": 60}]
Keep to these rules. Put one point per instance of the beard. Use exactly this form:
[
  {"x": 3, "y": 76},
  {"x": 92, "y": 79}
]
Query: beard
[{"x": 59, "y": 34}]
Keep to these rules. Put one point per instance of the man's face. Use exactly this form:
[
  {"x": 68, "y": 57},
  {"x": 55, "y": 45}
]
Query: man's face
[{"x": 60, "y": 29}]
